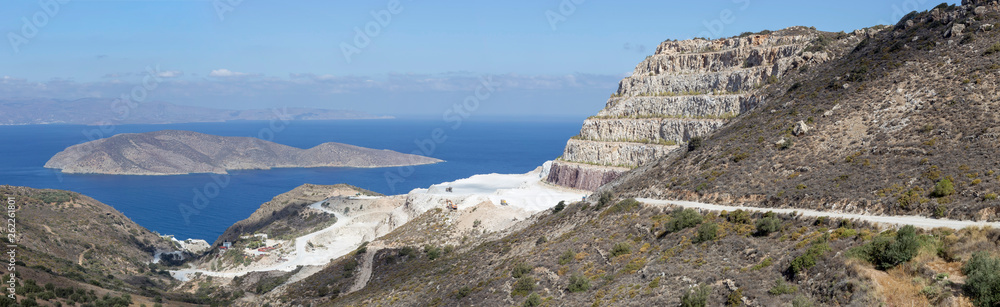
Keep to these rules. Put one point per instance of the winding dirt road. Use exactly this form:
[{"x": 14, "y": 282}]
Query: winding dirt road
[
  {"x": 303, "y": 254},
  {"x": 916, "y": 221}
]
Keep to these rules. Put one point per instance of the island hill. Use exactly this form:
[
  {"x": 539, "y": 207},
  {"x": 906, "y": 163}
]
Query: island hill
[{"x": 175, "y": 152}]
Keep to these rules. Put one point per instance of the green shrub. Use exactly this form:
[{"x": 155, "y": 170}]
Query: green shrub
[
  {"x": 801, "y": 301},
  {"x": 735, "y": 298},
  {"x": 578, "y": 283},
  {"x": 29, "y": 302},
  {"x": 982, "y": 282},
  {"x": 696, "y": 297},
  {"x": 523, "y": 286},
  {"x": 433, "y": 252},
  {"x": 533, "y": 300},
  {"x": 520, "y": 269},
  {"x": 763, "y": 264},
  {"x": 943, "y": 188},
  {"x": 739, "y": 216},
  {"x": 707, "y": 232},
  {"x": 621, "y": 248},
  {"x": 768, "y": 225},
  {"x": 809, "y": 258},
  {"x": 843, "y": 232},
  {"x": 559, "y": 207},
  {"x": 887, "y": 251},
  {"x": 694, "y": 143},
  {"x": 930, "y": 292},
  {"x": 781, "y": 287},
  {"x": 624, "y": 205},
  {"x": 993, "y": 49},
  {"x": 55, "y": 196},
  {"x": 786, "y": 144},
  {"x": 940, "y": 211},
  {"x": 463, "y": 292},
  {"x": 684, "y": 218},
  {"x": 408, "y": 251},
  {"x": 566, "y": 257},
  {"x": 604, "y": 200}
]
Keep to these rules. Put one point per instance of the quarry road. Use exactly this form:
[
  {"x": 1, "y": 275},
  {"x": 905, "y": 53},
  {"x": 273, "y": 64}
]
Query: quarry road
[
  {"x": 916, "y": 221},
  {"x": 345, "y": 239},
  {"x": 366, "y": 268}
]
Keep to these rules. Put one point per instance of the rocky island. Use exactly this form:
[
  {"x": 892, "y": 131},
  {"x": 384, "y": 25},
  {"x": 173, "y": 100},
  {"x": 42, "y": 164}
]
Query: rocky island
[{"x": 174, "y": 152}]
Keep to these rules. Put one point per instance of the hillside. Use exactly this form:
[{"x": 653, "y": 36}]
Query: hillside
[
  {"x": 286, "y": 214},
  {"x": 623, "y": 253},
  {"x": 86, "y": 249},
  {"x": 895, "y": 121},
  {"x": 170, "y": 152},
  {"x": 887, "y": 121},
  {"x": 94, "y": 111},
  {"x": 903, "y": 124}
]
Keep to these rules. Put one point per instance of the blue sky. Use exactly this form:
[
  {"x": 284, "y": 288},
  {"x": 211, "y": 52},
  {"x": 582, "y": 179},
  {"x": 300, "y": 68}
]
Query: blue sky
[{"x": 429, "y": 54}]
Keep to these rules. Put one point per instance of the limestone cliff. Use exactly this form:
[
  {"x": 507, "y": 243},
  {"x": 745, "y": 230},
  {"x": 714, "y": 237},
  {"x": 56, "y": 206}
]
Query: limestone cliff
[{"x": 686, "y": 89}]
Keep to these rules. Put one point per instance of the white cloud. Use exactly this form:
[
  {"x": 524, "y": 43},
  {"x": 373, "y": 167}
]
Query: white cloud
[
  {"x": 226, "y": 73},
  {"x": 170, "y": 74}
]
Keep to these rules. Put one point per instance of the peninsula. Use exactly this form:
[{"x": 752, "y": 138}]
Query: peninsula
[{"x": 175, "y": 152}]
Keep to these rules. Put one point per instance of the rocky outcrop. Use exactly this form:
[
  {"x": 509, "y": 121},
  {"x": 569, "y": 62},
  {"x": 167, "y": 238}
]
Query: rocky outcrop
[
  {"x": 170, "y": 152},
  {"x": 697, "y": 106},
  {"x": 620, "y": 154},
  {"x": 686, "y": 89},
  {"x": 645, "y": 130},
  {"x": 583, "y": 176}
]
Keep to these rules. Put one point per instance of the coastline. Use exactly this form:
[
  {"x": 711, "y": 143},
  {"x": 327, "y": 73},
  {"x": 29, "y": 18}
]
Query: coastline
[
  {"x": 525, "y": 194},
  {"x": 240, "y": 169}
]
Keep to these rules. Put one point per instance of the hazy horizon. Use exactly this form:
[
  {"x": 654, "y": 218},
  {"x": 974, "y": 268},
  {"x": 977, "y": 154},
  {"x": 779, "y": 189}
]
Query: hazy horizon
[{"x": 397, "y": 58}]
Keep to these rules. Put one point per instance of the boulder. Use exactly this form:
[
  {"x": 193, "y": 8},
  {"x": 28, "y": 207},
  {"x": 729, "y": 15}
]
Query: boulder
[
  {"x": 800, "y": 128},
  {"x": 955, "y": 31}
]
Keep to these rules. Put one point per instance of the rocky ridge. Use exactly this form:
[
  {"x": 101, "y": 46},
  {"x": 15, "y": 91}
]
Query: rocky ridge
[
  {"x": 170, "y": 152},
  {"x": 903, "y": 122},
  {"x": 686, "y": 89}
]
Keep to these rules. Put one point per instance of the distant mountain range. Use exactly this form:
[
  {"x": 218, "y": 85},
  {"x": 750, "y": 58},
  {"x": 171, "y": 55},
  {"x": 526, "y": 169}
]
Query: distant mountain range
[{"x": 94, "y": 111}]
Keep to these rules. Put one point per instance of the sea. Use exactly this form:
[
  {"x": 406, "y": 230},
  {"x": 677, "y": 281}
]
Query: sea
[{"x": 202, "y": 206}]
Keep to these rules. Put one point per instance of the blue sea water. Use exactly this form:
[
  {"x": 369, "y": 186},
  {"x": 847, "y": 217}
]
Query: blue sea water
[{"x": 156, "y": 202}]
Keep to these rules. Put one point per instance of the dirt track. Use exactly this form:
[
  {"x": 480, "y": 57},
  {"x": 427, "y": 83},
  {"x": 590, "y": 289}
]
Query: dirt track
[{"x": 916, "y": 221}]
